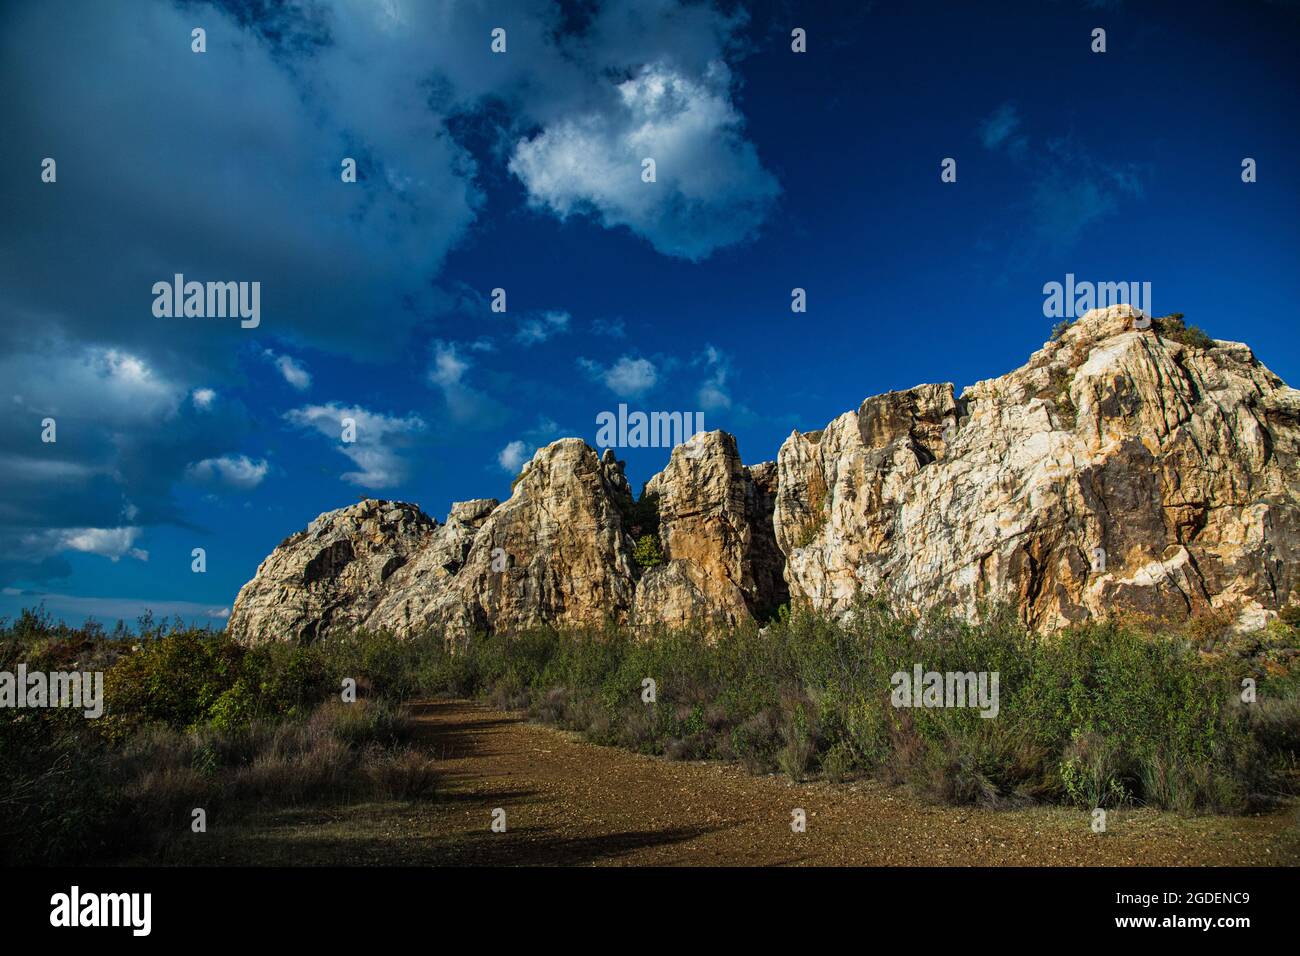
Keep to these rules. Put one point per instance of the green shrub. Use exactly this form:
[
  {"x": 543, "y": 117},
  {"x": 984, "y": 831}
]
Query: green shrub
[
  {"x": 1173, "y": 327},
  {"x": 1100, "y": 714},
  {"x": 647, "y": 553}
]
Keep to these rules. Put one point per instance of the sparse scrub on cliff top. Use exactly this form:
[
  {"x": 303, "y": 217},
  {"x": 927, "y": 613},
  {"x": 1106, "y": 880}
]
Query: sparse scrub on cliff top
[{"x": 1173, "y": 327}]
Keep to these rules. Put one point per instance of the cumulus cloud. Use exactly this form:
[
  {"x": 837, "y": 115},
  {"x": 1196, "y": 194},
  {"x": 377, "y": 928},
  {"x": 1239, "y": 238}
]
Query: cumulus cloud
[
  {"x": 448, "y": 368},
  {"x": 111, "y": 543},
  {"x": 379, "y": 438},
  {"x": 711, "y": 190},
  {"x": 537, "y": 329},
  {"x": 240, "y": 472},
  {"x": 203, "y": 397},
  {"x": 125, "y": 431},
  {"x": 293, "y": 371},
  {"x": 382, "y": 83},
  {"x": 113, "y": 386},
  {"x": 511, "y": 458},
  {"x": 628, "y": 377}
]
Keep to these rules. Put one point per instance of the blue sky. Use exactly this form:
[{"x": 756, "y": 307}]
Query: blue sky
[{"x": 521, "y": 170}]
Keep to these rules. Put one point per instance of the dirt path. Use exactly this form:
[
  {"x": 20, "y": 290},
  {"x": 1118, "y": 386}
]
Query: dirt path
[{"x": 570, "y": 802}]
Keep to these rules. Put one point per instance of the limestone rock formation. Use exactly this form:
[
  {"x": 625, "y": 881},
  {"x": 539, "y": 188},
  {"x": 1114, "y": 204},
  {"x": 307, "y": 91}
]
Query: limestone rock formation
[
  {"x": 1119, "y": 468},
  {"x": 407, "y": 604},
  {"x": 555, "y": 552},
  {"x": 331, "y": 575},
  {"x": 1127, "y": 465},
  {"x": 721, "y": 561}
]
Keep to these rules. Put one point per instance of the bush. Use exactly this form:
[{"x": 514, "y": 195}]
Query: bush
[
  {"x": 193, "y": 718},
  {"x": 73, "y": 799},
  {"x": 1102, "y": 714},
  {"x": 647, "y": 553},
  {"x": 1173, "y": 327}
]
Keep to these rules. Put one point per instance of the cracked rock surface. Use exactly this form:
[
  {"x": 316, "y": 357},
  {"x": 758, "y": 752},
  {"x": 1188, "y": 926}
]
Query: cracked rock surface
[{"x": 1120, "y": 468}]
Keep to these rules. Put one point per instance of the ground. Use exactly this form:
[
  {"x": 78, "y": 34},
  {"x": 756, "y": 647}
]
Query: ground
[{"x": 569, "y": 802}]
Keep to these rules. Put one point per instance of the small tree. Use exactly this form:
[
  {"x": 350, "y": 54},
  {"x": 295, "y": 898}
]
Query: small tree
[{"x": 647, "y": 552}]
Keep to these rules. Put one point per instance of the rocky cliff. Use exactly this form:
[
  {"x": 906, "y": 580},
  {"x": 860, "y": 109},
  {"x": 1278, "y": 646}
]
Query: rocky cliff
[{"x": 1121, "y": 467}]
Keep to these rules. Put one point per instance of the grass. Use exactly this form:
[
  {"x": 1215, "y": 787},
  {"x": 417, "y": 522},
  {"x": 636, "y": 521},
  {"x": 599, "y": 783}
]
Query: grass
[
  {"x": 193, "y": 721},
  {"x": 1116, "y": 713},
  {"x": 1112, "y": 713}
]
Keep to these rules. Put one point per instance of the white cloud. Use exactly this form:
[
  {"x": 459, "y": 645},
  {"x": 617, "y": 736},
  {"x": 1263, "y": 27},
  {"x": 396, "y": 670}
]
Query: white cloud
[
  {"x": 109, "y": 386},
  {"x": 711, "y": 190},
  {"x": 511, "y": 458},
  {"x": 378, "y": 438},
  {"x": 627, "y": 377},
  {"x": 514, "y": 454},
  {"x": 465, "y": 404},
  {"x": 294, "y": 372},
  {"x": 111, "y": 543},
  {"x": 236, "y": 472},
  {"x": 713, "y": 394},
  {"x": 540, "y": 328},
  {"x": 118, "y": 608},
  {"x": 203, "y": 397},
  {"x": 448, "y": 367}
]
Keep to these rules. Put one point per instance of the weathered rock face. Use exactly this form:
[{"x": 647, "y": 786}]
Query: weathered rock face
[
  {"x": 1178, "y": 462},
  {"x": 721, "y": 561},
  {"x": 332, "y": 575},
  {"x": 1119, "y": 469},
  {"x": 555, "y": 552},
  {"x": 408, "y": 602}
]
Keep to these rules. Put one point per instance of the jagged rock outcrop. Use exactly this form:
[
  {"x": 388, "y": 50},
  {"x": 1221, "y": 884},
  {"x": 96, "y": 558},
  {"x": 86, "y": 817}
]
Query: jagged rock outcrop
[
  {"x": 331, "y": 575},
  {"x": 409, "y": 600},
  {"x": 721, "y": 561},
  {"x": 1121, "y": 468},
  {"x": 555, "y": 552},
  {"x": 1177, "y": 461}
]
